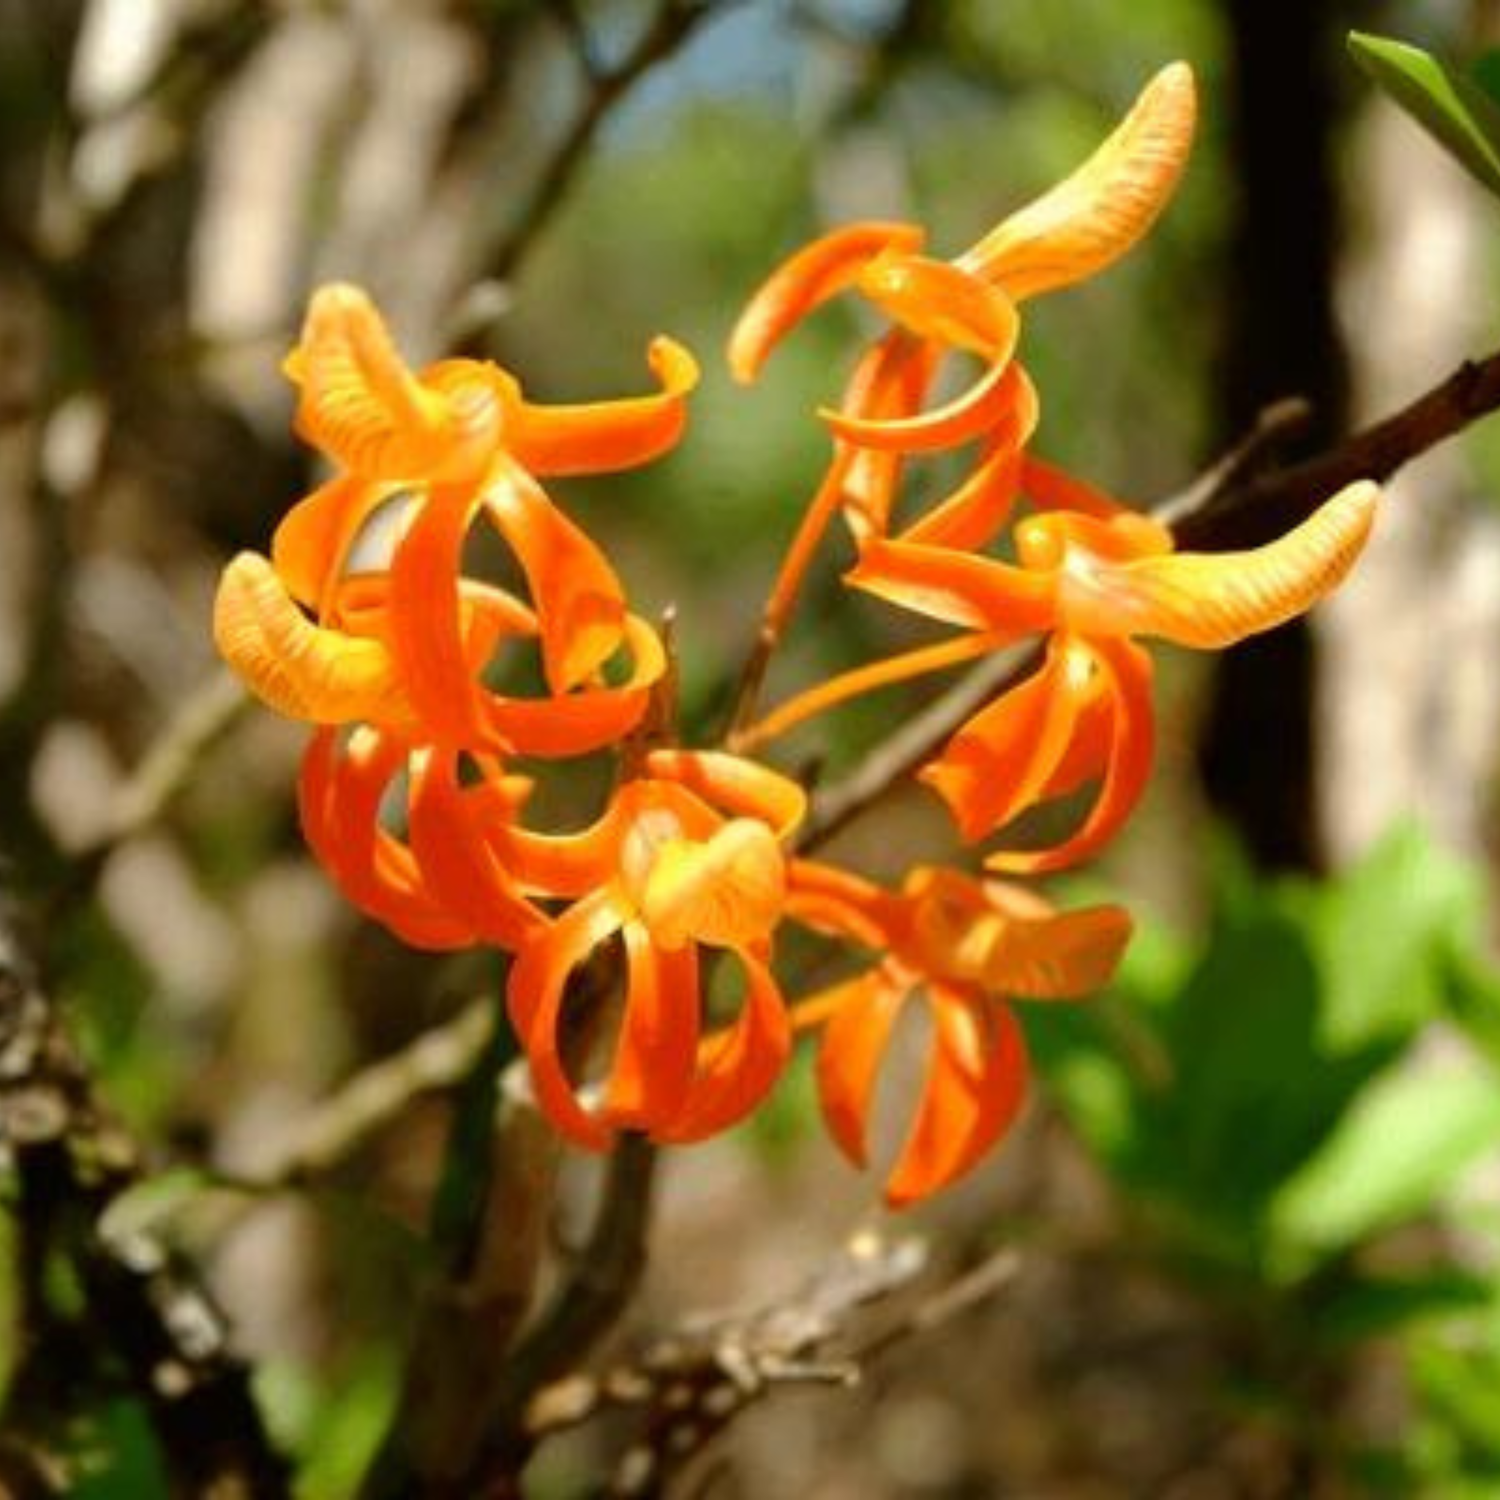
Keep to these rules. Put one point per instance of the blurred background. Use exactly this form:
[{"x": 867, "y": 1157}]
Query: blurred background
[{"x": 1257, "y": 1199}]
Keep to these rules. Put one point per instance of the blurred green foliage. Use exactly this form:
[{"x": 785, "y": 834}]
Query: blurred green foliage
[{"x": 1278, "y": 1099}]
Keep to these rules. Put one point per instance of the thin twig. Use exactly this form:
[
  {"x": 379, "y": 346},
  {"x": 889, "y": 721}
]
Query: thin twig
[
  {"x": 336, "y": 1127},
  {"x": 1243, "y": 502},
  {"x": 689, "y": 1386},
  {"x": 671, "y": 25}
]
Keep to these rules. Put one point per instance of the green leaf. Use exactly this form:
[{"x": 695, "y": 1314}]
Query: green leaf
[
  {"x": 1457, "y": 113},
  {"x": 1485, "y": 71},
  {"x": 1373, "y": 1306},
  {"x": 1382, "y": 933},
  {"x": 1397, "y": 1149}
]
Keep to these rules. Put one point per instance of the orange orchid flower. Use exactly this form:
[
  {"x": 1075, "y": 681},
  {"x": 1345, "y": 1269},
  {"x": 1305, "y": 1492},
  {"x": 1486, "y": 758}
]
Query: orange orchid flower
[
  {"x": 1071, "y": 232},
  {"x": 687, "y": 855},
  {"x": 1095, "y": 579},
  {"x": 968, "y": 947},
  {"x": 435, "y": 452}
]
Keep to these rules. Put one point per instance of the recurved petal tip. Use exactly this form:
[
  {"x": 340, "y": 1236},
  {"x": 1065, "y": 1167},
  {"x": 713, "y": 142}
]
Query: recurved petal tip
[
  {"x": 804, "y": 282},
  {"x": 1210, "y": 600},
  {"x": 1097, "y": 213}
]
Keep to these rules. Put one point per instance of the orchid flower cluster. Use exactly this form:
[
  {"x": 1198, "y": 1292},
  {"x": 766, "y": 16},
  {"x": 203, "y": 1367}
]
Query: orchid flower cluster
[{"x": 368, "y": 621}]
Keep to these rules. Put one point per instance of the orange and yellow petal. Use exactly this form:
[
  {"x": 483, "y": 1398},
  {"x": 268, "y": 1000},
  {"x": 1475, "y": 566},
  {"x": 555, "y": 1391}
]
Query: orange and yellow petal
[
  {"x": 360, "y": 404},
  {"x": 300, "y": 669},
  {"x": 1095, "y": 215},
  {"x": 1213, "y": 599},
  {"x": 937, "y": 301},
  {"x": 804, "y": 282},
  {"x": 1006, "y": 940},
  {"x": 726, "y": 891}
]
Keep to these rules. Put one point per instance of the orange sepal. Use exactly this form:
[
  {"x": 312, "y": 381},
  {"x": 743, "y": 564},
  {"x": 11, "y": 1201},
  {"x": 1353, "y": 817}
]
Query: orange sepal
[
  {"x": 804, "y": 282},
  {"x": 1051, "y": 488},
  {"x": 976, "y": 592},
  {"x": 602, "y": 437}
]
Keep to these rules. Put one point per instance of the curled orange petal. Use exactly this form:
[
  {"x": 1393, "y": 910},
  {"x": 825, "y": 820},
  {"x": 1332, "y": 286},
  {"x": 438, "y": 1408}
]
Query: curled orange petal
[
  {"x": 1213, "y": 599},
  {"x": 840, "y": 903},
  {"x": 339, "y": 795},
  {"x": 804, "y": 282},
  {"x": 850, "y": 1052},
  {"x": 998, "y": 764},
  {"x": 534, "y": 996},
  {"x": 1131, "y": 746},
  {"x": 966, "y": 417},
  {"x": 1095, "y": 215},
  {"x": 976, "y": 1084},
  {"x": 579, "y": 603},
  {"x": 602, "y": 437},
  {"x": 587, "y": 719},
  {"x": 458, "y": 865},
  {"x": 736, "y": 785},
  {"x": 739, "y": 1064},
  {"x": 313, "y": 540},
  {"x": 298, "y": 668}
]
